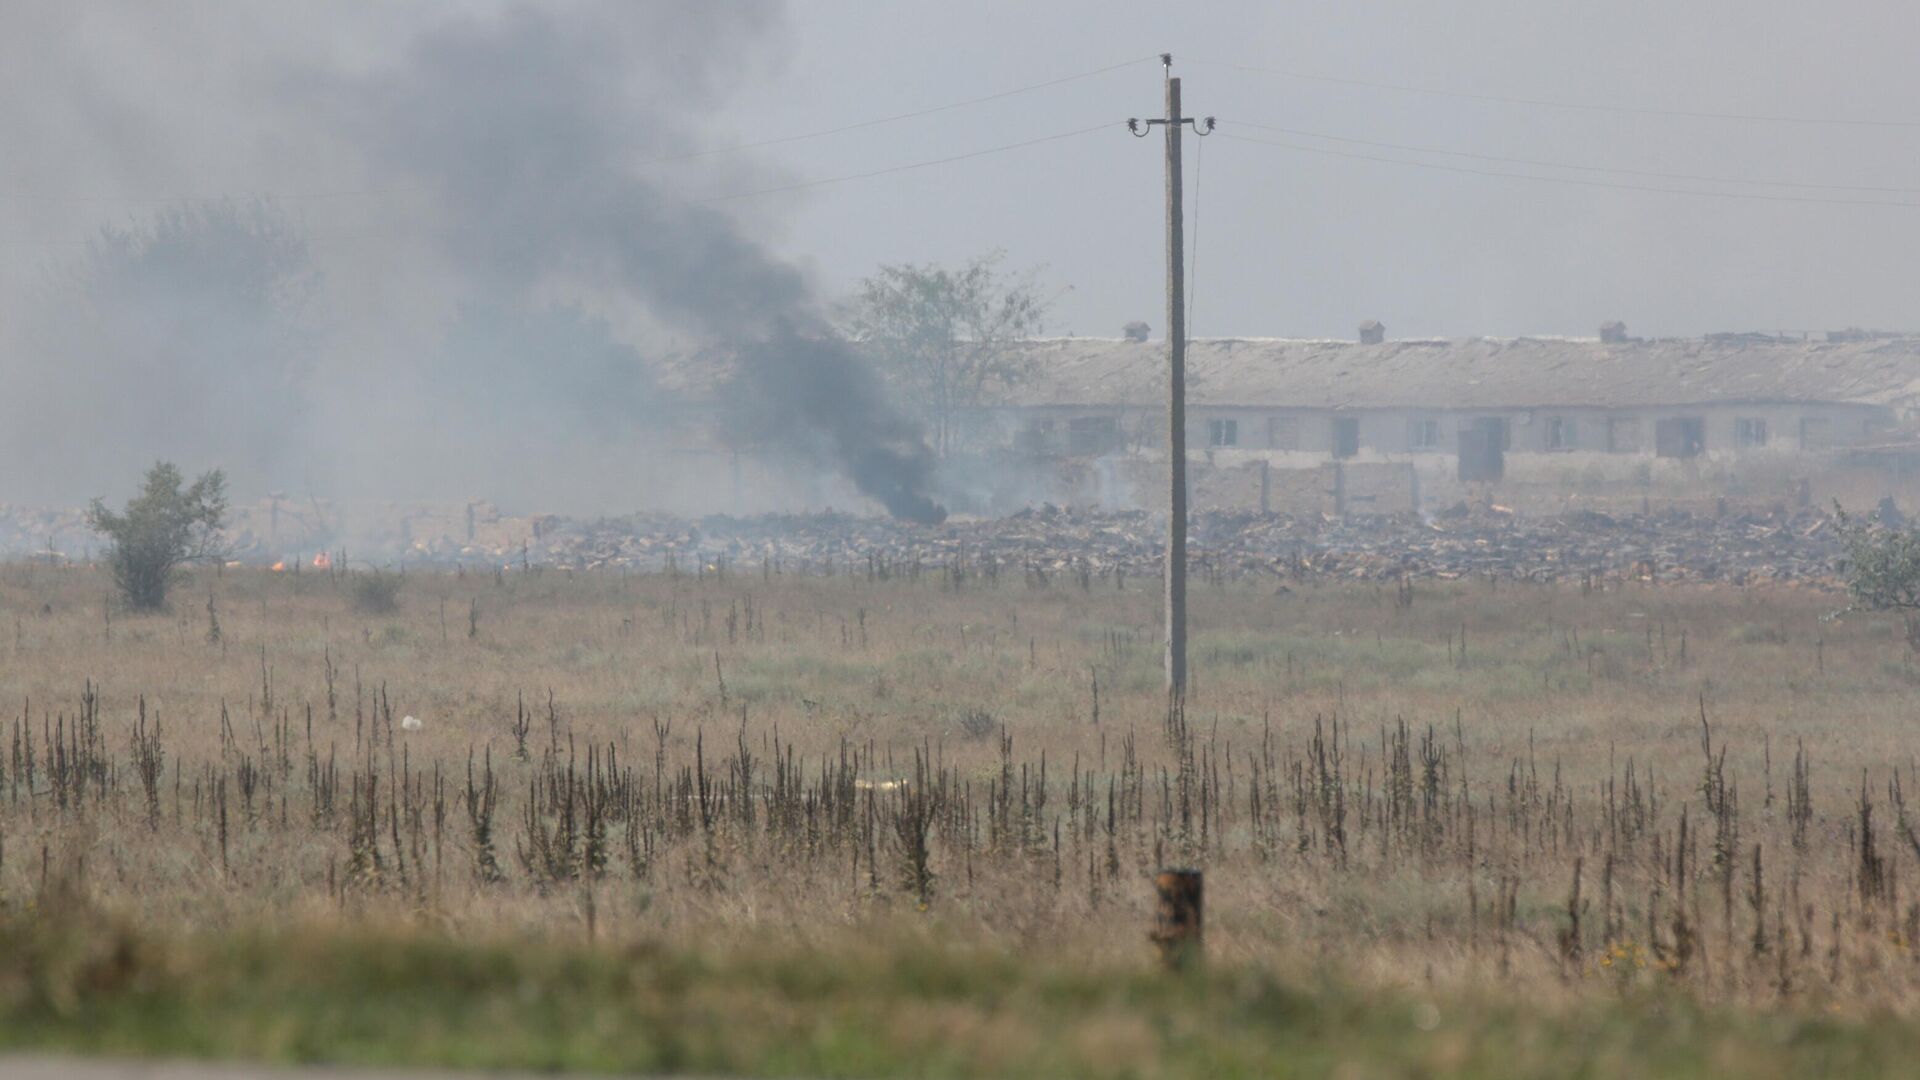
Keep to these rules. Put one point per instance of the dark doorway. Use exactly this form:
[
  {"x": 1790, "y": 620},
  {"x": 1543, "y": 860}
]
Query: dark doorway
[
  {"x": 1092, "y": 435},
  {"x": 1483, "y": 450},
  {"x": 1680, "y": 437},
  {"x": 1346, "y": 436}
]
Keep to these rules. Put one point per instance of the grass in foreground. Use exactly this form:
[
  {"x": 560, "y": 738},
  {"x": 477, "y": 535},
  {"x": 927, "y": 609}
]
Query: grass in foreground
[{"x": 899, "y": 1002}]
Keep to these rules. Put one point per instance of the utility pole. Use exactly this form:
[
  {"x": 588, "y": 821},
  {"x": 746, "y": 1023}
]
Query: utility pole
[{"x": 1176, "y": 553}]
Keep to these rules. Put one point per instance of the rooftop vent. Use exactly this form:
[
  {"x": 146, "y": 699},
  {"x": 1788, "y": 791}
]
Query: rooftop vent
[
  {"x": 1136, "y": 331},
  {"x": 1614, "y": 333},
  {"x": 1372, "y": 332}
]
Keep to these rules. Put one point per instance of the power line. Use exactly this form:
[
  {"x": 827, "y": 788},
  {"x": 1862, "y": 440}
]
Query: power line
[
  {"x": 1437, "y": 166},
  {"x": 161, "y": 200},
  {"x": 1578, "y": 168},
  {"x": 17, "y": 243},
  {"x": 304, "y": 238},
  {"x": 691, "y": 155},
  {"x": 802, "y": 185},
  {"x": 1582, "y": 106},
  {"x": 323, "y": 238},
  {"x": 916, "y": 114}
]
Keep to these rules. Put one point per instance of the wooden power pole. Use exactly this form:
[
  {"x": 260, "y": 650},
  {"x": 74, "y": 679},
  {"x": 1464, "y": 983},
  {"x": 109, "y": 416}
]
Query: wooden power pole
[{"x": 1176, "y": 554}]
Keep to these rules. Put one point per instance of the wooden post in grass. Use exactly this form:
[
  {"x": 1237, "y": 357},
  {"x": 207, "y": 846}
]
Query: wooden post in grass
[{"x": 1177, "y": 924}]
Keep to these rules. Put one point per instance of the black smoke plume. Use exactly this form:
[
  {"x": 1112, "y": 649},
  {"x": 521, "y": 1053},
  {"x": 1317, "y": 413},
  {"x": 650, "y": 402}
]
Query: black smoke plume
[
  {"x": 537, "y": 138},
  {"x": 818, "y": 376}
]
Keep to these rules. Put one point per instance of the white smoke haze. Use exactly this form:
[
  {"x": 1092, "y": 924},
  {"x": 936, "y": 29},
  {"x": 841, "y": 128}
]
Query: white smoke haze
[
  {"x": 503, "y": 243},
  {"x": 456, "y": 166},
  {"x": 193, "y": 330}
]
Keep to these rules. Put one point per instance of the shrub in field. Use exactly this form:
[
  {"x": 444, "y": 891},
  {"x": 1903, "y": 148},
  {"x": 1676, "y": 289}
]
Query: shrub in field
[
  {"x": 1882, "y": 567},
  {"x": 377, "y": 593},
  {"x": 163, "y": 527},
  {"x": 978, "y": 724}
]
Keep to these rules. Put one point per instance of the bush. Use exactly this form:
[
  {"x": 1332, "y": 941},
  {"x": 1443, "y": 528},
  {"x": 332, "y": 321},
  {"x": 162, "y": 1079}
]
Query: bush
[
  {"x": 1882, "y": 565},
  {"x": 977, "y": 724},
  {"x": 162, "y": 528},
  {"x": 377, "y": 593}
]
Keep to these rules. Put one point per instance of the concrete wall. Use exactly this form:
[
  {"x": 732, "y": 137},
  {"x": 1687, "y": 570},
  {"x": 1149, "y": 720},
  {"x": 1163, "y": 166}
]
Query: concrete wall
[
  {"x": 1243, "y": 483},
  {"x": 1389, "y": 432},
  {"x": 1386, "y": 434},
  {"x": 1583, "y": 469}
]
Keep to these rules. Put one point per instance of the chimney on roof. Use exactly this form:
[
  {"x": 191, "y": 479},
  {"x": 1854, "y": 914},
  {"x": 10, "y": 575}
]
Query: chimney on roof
[
  {"x": 1614, "y": 333},
  {"x": 1136, "y": 331},
  {"x": 1372, "y": 332}
]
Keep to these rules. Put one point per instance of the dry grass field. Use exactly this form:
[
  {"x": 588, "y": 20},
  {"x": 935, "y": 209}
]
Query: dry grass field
[{"x": 904, "y": 821}]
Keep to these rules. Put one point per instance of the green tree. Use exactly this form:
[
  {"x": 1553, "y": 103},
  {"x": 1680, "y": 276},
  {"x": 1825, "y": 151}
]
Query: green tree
[
  {"x": 162, "y": 528},
  {"x": 948, "y": 338},
  {"x": 1881, "y": 564}
]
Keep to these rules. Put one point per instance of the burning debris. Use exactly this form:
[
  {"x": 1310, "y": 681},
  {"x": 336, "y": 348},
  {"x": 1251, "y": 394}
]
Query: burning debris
[
  {"x": 57, "y": 535},
  {"x": 1050, "y": 543},
  {"x": 815, "y": 395}
]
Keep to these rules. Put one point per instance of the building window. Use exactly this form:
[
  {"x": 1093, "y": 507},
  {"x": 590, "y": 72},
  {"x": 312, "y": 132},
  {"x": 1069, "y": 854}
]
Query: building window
[
  {"x": 1680, "y": 437},
  {"x": 1223, "y": 433},
  {"x": 1092, "y": 434},
  {"x": 1497, "y": 426},
  {"x": 1149, "y": 431},
  {"x": 1423, "y": 434},
  {"x": 1283, "y": 432},
  {"x": 1039, "y": 437},
  {"x": 1346, "y": 436},
  {"x": 1483, "y": 449},
  {"x": 1623, "y": 434},
  {"x": 1749, "y": 432},
  {"x": 1561, "y": 434},
  {"x": 1815, "y": 433}
]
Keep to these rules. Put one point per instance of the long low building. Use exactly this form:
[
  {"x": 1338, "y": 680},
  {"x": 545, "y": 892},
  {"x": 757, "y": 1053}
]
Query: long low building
[
  {"x": 1476, "y": 399},
  {"x": 1273, "y": 423}
]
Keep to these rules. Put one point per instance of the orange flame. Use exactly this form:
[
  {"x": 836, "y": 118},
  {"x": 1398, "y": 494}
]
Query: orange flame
[
  {"x": 322, "y": 562},
  {"x": 279, "y": 566}
]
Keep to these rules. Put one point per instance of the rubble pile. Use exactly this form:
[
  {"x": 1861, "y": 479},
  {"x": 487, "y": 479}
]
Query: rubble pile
[
  {"x": 32, "y": 532},
  {"x": 1674, "y": 546},
  {"x": 1048, "y": 542}
]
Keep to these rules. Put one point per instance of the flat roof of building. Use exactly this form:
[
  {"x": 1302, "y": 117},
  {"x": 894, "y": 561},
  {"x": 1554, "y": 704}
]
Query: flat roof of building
[{"x": 1470, "y": 373}]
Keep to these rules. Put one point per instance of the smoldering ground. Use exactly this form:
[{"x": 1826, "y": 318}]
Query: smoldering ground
[{"x": 535, "y": 228}]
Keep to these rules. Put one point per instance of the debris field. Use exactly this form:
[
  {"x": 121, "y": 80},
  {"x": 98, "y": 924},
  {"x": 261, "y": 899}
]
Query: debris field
[
  {"x": 1739, "y": 547},
  {"x": 1746, "y": 548}
]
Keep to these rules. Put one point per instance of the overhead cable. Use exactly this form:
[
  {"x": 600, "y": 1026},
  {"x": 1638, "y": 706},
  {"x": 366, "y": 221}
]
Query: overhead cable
[
  {"x": 1582, "y": 106},
  {"x": 916, "y": 114},
  {"x": 907, "y": 167},
  {"x": 1751, "y": 196},
  {"x": 1577, "y": 168},
  {"x": 688, "y": 156}
]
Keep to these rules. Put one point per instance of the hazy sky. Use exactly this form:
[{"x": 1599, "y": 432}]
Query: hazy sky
[
  {"x": 136, "y": 101},
  {"x": 112, "y": 111},
  {"x": 1294, "y": 243}
]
